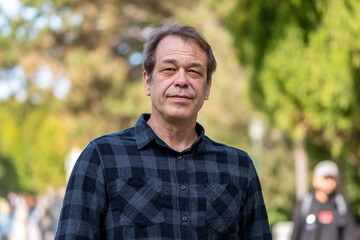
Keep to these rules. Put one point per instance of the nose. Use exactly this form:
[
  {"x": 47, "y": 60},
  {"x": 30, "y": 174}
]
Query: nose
[{"x": 181, "y": 79}]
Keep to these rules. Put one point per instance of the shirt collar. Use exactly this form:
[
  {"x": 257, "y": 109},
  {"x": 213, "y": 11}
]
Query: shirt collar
[{"x": 144, "y": 135}]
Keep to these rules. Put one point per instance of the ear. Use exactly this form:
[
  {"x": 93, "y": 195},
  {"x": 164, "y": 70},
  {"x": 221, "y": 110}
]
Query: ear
[
  {"x": 146, "y": 83},
  {"x": 208, "y": 87}
]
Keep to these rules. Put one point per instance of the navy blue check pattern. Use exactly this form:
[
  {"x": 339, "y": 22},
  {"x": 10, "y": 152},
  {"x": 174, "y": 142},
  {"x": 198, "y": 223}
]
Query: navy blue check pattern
[{"x": 131, "y": 185}]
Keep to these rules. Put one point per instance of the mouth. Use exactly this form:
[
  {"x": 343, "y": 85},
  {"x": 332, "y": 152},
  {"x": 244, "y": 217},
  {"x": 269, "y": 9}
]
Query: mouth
[{"x": 180, "y": 98}]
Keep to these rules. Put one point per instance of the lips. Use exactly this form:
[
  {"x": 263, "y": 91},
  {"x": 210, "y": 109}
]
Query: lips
[{"x": 180, "y": 96}]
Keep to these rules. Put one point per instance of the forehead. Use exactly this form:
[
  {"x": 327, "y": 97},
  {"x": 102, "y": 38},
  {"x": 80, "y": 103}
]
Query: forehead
[
  {"x": 176, "y": 47},
  {"x": 325, "y": 178}
]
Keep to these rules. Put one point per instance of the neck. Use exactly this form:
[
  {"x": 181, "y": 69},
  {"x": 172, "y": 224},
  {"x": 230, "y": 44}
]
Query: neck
[
  {"x": 179, "y": 136},
  {"x": 322, "y": 196}
]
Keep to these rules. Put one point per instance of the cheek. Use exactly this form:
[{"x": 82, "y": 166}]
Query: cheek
[
  {"x": 332, "y": 185},
  {"x": 158, "y": 90},
  {"x": 316, "y": 183},
  {"x": 205, "y": 91},
  {"x": 198, "y": 86}
]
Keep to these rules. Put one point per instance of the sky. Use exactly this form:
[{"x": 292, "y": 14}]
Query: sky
[
  {"x": 10, "y": 8},
  {"x": 13, "y": 81}
]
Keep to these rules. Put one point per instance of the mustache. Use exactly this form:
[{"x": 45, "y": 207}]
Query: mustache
[{"x": 181, "y": 93}]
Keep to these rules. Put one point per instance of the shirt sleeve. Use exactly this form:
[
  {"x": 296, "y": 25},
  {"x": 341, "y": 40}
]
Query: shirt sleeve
[
  {"x": 254, "y": 222},
  {"x": 84, "y": 203}
]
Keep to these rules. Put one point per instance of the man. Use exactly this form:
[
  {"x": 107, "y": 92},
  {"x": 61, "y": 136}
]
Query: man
[
  {"x": 163, "y": 178},
  {"x": 323, "y": 215}
]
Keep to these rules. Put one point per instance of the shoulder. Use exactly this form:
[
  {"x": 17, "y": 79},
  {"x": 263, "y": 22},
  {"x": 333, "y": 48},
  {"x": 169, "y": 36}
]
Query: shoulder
[
  {"x": 305, "y": 204},
  {"x": 212, "y": 145},
  {"x": 227, "y": 153},
  {"x": 100, "y": 154},
  {"x": 124, "y": 137},
  {"x": 107, "y": 145}
]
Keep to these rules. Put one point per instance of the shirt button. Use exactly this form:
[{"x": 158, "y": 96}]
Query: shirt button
[
  {"x": 182, "y": 187},
  {"x": 184, "y": 219},
  {"x": 179, "y": 157}
]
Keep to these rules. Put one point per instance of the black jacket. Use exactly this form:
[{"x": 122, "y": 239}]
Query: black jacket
[{"x": 319, "y": 221}]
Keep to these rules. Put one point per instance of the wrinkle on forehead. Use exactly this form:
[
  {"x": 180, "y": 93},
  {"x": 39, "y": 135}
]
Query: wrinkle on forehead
[
  {"x": 187, "y": 48},
  {"x": 192, "y": 52}
]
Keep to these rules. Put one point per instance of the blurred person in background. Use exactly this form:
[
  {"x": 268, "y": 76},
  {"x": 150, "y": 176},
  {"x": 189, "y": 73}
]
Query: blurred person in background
[
  {"x": 5, "y": 218},
  {"x": 323, "y": 214},
  {"x": 164, "y": 178},
  {"x": 33, "y": 231},
  {"x": 20, "y": 217},
  {"x": 49, "y": 207}
]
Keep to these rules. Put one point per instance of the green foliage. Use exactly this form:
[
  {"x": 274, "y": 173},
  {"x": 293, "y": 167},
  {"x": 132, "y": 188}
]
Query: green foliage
[
  {"x": 9, "y": 181},
  {"x": 33, "y": 147},
  {"x": 277, "y": 177},
  {"x": 303, "y": 61},
  {"x": 47, "y": 143},
  {"x": 351, "y": 180}
]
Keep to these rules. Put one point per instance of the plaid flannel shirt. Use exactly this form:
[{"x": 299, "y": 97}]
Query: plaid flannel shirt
[{"x": 131, "y": 185}]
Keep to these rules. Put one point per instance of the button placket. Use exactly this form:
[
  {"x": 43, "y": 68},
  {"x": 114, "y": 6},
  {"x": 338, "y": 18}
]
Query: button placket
[{"x": 182, "y": 182}]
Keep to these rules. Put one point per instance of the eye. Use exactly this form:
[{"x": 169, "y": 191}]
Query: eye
[
  {"x": 169, "y": 70},
  {"x": 195, "y": 72}
]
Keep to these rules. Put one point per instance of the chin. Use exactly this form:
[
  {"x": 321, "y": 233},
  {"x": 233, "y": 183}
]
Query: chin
[
  {"x": 330, "y": 193},
  {"x": 181, "y": 116}
]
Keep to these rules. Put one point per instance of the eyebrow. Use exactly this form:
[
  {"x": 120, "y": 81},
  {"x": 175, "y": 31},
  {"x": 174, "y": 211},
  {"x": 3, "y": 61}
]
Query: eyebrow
[{"x": 193, "y": 64}]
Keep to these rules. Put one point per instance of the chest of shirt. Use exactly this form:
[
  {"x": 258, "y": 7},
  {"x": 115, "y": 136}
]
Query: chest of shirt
[
  {"x": 150, "y": 188},
  {"x": 173, "y": 167}
]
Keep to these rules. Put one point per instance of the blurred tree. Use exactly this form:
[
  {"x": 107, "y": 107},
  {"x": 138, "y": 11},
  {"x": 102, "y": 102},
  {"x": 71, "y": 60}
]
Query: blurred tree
[
  {"x": 303, "y": 61},
  {"x": 33, "y": 144}
]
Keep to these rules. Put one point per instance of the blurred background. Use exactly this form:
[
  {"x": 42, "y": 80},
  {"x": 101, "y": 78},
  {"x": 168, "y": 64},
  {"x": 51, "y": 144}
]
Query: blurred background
[{"x": 287, "y": 90}]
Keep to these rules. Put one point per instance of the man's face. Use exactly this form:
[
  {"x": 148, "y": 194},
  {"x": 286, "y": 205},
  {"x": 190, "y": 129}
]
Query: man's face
[
  {"x": 325, "y": 184},
  {"x": 178, "y": 86}
]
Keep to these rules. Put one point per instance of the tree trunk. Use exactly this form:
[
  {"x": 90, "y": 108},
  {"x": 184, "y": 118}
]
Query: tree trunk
[{"x": 301, "y": 171}]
